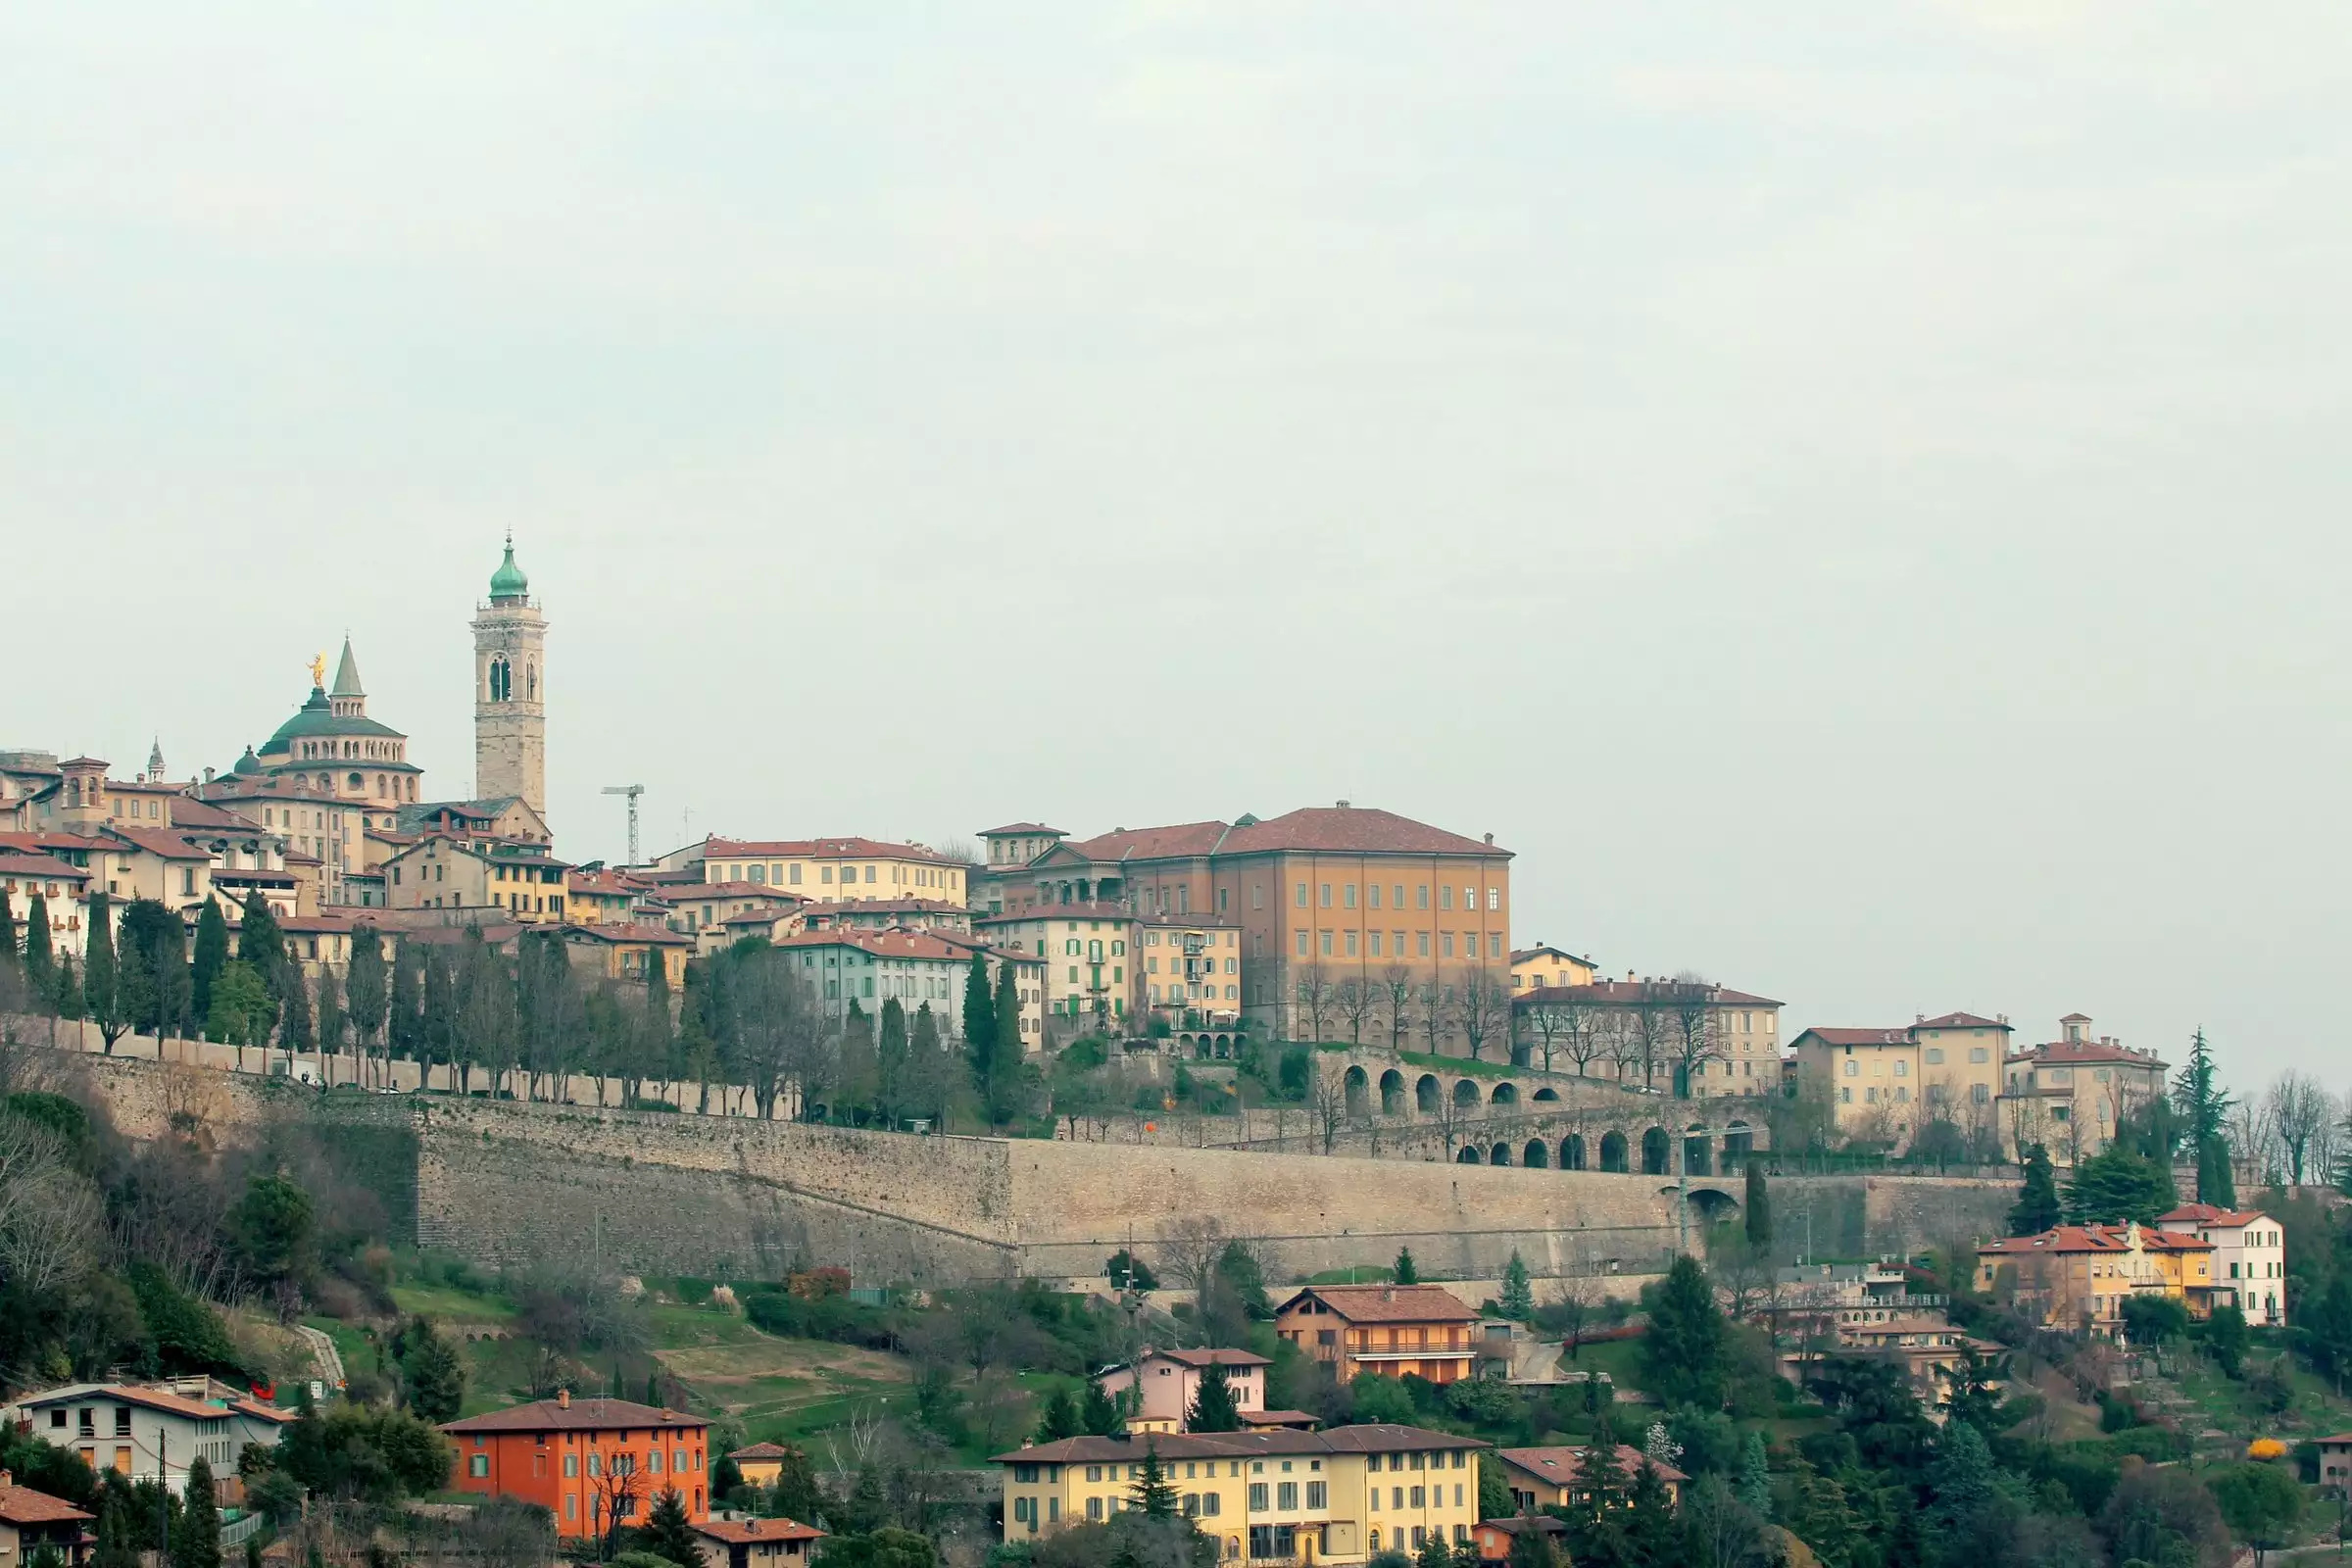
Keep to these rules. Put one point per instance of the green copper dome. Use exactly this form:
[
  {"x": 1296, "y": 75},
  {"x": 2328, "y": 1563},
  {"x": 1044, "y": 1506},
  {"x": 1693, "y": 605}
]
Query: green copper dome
[
  {"x": 248, "y": 764},
  {"x": 509, "y": 582},
  {"x": 317, "y": 718}
]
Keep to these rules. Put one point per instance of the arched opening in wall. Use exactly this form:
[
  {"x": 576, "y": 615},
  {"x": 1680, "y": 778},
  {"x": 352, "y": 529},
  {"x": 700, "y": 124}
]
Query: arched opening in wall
[
  {"x": 1653, "y": 1151},
  {"x": 1426, "y": 1092},
  {"x": 1612, "y": 1152},
  {"x": 1358, "y": 1084},
  {"x": 1507, "y": 1094},
  {"x": 502, "y": 680},
  {"x": 1501, "y": 1156},
  {"x": 1535, "y": 1157},
  {"x": 1699, "y": 1153},
  {"x": 1391, "y": 1093},
  {"x": 1572, "y": 1151},
  {"x": 1465, "y": 1092},
  {"x": 1710, "y": 1206},
  {"x": 1224, "y": 1048},
  {"x": 1739, "y": 1142},
  {"x": 1200, "y": 1048},
  {"x": 1468, "y": 1155},
  {"x": 1545, "y": 1094}
]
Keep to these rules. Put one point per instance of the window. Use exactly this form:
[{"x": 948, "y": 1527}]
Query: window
[
  {"x": 1319, "y": 1496},
  {"x": 1420, "y": 896},
  {"x": 1326, "y": 894},
  {"x": 1347, "y": 896},
  {"x": 1258, "y": 1496},
  {"x": 1976, "y": 1053},
  {"x": 1326, "y": 936},
  {"x": 1094, "y": 1507},
  {"x": 1213, "y": 1503},
  {"x": 1493, "y": 944},
  {"x": 1285, "y": 1498},
  {"x": 1421, "y": 944},
  {"x": 479, "y": 1465},
  {"x": 1302, "y": 944},
  {"x": 1372, "y": 895},
  {"x": 1352, "y": 944},
  {"x": 1301, "y": 900},
  {"x": 1494, "y": 898},
  {"x": 1446, "y": 897},
  {"x": 1935, "y": 1056},
  {"x": 1446, "y": 938},
  {"x": 1902, "y": 1069},
  {"x": 1853, "y": 1068}
]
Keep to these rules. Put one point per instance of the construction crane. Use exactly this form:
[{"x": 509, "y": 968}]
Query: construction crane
[{"x": 632, "y": 791}]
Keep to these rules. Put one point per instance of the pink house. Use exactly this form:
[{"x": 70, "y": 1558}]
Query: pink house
[{"x": 1168, "y": 1381}]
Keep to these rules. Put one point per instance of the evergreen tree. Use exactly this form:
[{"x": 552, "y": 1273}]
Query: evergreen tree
[
  {"x": 332, "y": 1016},
  {"x": 1010, "y": 1047},
  {"x": 1214, "y": 1409},
  {"x": 980, "y": 1029},
  {"x": 1976, "y": 1392},
  {"x": 667, "y": 1531},
  {"x": 65, "y": 989},
  {"x": 241, "y": 1008},
  {"x": 2226, "y": 1340},
  {"x": 1820, "y": 1516},
  {"x": 196, "y": 1530},
  {"x": 2204, "y": 1107},
  {"x": 1057, "y": 1418},
  {"x": 1531, "y": 1548},
  {"x": 2036, "y": 1209},
  {"x": 40, "y": 965},
  {"x": 923, "y": 1039},
  {"x": 294, "y": 1029},
  {"x": 1404, "y": 1271},
  {"x": 118, "y": 1531},
  {"x": 2120, "y": 1183},
  {"x": 1651, "y": 1535},
  {"x": 432, "y": 1374},
  {"x": 211, "y": 957},
  {"x": 154, "y": 948},
  {"x": 1758, "y": 1217},
  {"x": 262, "y": 944},
  {"x": 1754, "y": 1486},
  {"x": 1683, "y": 1354},
  {"x": 1961, "y": 1477},
  {"x": 796, "y": 1495},
  {"x": 101, "y": 976},
  {"x": 368, "y": 986},
  {"x": 1100, "y": 1416},
  {"x": 867, "y": 1508},
  {"x": 890, "y": 1061},
  {"x": 404, "y": 1001},
  {"x": 1152, "y": 1495},
  {"x": 8, "y": 929},
  {"x": 2217, "y": 1180},
  {"x": 1518, "y": 1295}
]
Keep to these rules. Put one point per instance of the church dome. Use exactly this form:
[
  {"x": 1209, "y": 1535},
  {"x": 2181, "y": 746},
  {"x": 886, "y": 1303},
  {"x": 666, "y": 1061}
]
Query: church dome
[
  {"x": 248, "y": 764},
  {"x": 507, "y": 581},
  {"x": 317, "y": 718}
]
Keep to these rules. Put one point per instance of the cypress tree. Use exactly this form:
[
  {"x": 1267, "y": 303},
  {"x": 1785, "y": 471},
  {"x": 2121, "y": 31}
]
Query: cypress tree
[
  {"x": 101, "y": 975},
  {"x": 404, "y": 1006},
  {"x": 66, "y": 989},
  {"x": 1758, "y": 1217},
  {"x": 211, "y": 952},
  {"x": 8, "y": 927},
  {"x": 1008, "y": 1045},
  {"x": 262, "y": 944},
  {"x": 890, "y": 1063},
  {"x": 196, "y": 1533},
  {"x": 2036, "y": 1209},
  {"x": 367, "y": 985},
  {"x": 1518, "y": 1295},
  {"x": 332, "y": 1016},
  {"x": 39, "y": 962},
  {"x": 1754, "y": 1486},
  {"x": 294, "y": 1028}
]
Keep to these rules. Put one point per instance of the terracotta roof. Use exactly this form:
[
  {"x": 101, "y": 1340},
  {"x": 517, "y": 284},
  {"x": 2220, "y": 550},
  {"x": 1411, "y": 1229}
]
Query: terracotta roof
[
  {"x": 896, "y": 944},
  {"x": 688, "y": 891},
  {"x": 117, "y": 1393},
  {"x": 582, "y": 1415},
  {"x": 2072, "y": 1053},
  {"x": 1565, "y": 1465},
  {"x": 737, "y": 1531},
  {"x": 1960, "y": 1020},
  {"x": 1388, "y": 1304},
  {"x": 253, "y": 873},
  {"x": 2207, "y": 1214},
  {"x": 1090, "y": 910},
  {"x": 1278, "y": 1418},
  {"x": 1858, "y": 1036},
  {"x": 1517, "y": 954},
  {"x": 1351, "y": 830},
  {"x": 764, "y": 914},
  {"x": 1369, "y": 1438},
  {"x": 627, "y": 931},
  {"x": 191, "y": 813},
  {"x": 265, "y": 1412},
  {"x": 1624, "y": 993},
  {"x": 317, "y": 925},
  {"x": 763, "y": 1451},
  {"x": 22, "y": 1506},
  {"x": 48, "y": 841},
  {"x": 823, "y": 849},
  {"x": 2095, "y": 1239},
  {"x": 885, "y": 907},
  {"x": 1216, "y": 1357},
  {"x": 1017, "y": 827},
  {"x": 162, "y": 840},
  {"x": 1191, "y": 922},
  {"x": 40, "y": 866},
  {"x": 1183, "y": 840}
]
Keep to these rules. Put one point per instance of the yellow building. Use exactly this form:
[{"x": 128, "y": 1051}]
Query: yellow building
[
  {"x": 618, "y": 951},
  {"x": 2077, "y": 1277},
  {"x": 1191, "y": 970},
  {"x": 2070, "y": 1095},
  {"x": 1335, "y": 1497},
  {"x": 440, "y": 872},
  {"x": 1883, "y": 1085},
  {"x": 1685, "y": 1037},
  {"x": 1539, "y": 966},
  {"x": 829, "y": 871}
]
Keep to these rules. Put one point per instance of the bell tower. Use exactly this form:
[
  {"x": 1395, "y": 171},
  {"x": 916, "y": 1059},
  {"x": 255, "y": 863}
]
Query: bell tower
[{"x": 510, "y": 691}]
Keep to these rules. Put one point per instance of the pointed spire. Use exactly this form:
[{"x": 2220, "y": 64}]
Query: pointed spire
[
  {"x": 155, "y": 760},
  {"x": 346, "y": 673}
]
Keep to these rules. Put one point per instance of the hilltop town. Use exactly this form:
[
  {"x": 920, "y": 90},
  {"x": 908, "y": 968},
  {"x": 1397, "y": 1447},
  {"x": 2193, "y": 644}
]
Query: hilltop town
[{"x": 380, "y": 1180}]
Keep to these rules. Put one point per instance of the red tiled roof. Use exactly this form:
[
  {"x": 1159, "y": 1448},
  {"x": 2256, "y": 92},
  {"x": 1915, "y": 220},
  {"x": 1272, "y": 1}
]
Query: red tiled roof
[
  {"x": 765, "y": 914},
  {"x": 2207, "y": 1214},
  {"x": 1624, "y": 993},
  {"x": 190, "y": 813},
  {"x": 737, "y": 1531},
  {"x": 1388, "y": 1304},
  {"x": 119, "y": 1394},
  {"x": 1518, "y": 953},
  {"x": 763, "y": 1451},
  {"x": 1017, "y": 827},
  {"x": 1565, "y": 1465},
  {"x": 40, "y": 866},
  {"x": 1090, "y": 910},
  {"x": 1212, "y": 1357},
  {"x": 22, "y": 1506},
  {"x": 627, "y": 931},
  {"x": 48, "y": 840},
  {"x": 1191, "y": 922},
  {"x": 2095, "y": 1239},
  {"x": 1378, "y": 1438},
  {"x": 1960, "y": 1020},
  {"x": 885, "y": 907},
  {"x": 318, "y": 925},
  {"x": 1351, "y": 830},
  {"x": 1183, "y": 840},
  {"x": 687, "y": 892},
  {"x": 1859, "y": 1037},
  {"x": 582, "y": 1415},
  {"x": 2070, "y": 1053},
  {"x": 855, "y": 849},
  {"x": 893, "y": 943},
  {"x": 162, "y": 840}
]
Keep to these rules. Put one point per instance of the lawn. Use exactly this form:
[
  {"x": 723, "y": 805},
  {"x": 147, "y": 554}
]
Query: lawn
[
  {"x": 1462, "y": 1065},
  {"x": 1360, "y": 1274},
  {"x": 448, "y": 1305}
]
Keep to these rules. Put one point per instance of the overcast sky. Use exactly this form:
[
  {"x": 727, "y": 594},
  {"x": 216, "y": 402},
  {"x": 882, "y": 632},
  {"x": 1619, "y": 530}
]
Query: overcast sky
[{"x": 1854, "y": 496}]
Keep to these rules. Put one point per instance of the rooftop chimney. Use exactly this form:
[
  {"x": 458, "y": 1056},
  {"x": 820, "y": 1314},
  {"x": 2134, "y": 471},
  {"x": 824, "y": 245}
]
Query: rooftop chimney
[
  {"x": 1490, "y": 838},
  {"x": 1343, "y": 805},
  {"x": 562, "y": 1398}
]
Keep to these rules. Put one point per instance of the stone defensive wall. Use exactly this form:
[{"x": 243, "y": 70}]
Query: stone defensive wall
[{"x": 509, "y": 1183}]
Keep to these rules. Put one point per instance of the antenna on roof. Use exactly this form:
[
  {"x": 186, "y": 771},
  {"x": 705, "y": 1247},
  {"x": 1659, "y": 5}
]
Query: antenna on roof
[{"x": 632, "y": 791}]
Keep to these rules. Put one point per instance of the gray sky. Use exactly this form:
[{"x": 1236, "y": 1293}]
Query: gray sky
[{"x": 1843, "y": 491}]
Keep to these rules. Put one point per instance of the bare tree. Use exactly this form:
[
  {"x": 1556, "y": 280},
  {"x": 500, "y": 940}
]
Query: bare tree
[
  {"x": 1189, "y": 1250},
  {"x": 1439, "y": 1016},
  {"x": 51, "y": 1218},
  {"x": 782, "y": 1034},
  {"x": 1695, "y": 1036},
  {"x": 1451, "y": 1118},
  {"x": 1396, "y": 1003},
  {"x": 1316, "y": 995},
  {"x": 2299, "y": 1110},
  {"x": 1649, "y": 1027},
  {"x": 1327, "y": 1097},
  {"x": 1357, "y": 1001},
  {"x": 1561, "y": 1018},
  {"x": 852, "y": 1443},
  {"x": 1484, "y": 1012},
  {"x": 2253, "y": 1137}
]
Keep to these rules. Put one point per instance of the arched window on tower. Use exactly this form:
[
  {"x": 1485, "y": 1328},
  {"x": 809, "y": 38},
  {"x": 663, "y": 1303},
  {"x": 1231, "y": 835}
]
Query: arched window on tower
[
  {"x": 502, "y": 680},
  {"x": 530, "y": 683}
]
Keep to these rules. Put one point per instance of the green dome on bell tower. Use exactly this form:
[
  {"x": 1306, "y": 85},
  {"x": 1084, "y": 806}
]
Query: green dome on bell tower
[{"x": 509, "y": 582}]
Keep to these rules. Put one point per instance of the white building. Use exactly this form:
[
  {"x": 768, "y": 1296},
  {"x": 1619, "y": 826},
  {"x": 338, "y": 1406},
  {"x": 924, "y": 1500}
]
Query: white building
[
  {"x": 2249, "y": 1257},
  {"x": 149, "y": 1432},
  {"x": 917, "y": 969}
]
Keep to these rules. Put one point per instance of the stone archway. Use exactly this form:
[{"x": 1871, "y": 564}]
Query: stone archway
[
  {"x": 1391, "y": 1093},
  {"x": 1468, "y": 1155},
  {"x": 1654, "y": 1151},
  {"x": 1547, "y": 1092},
  {"x": 1698, "y": 1151},
  {"x": 1738, "y": 1142},
  {"x": 1500, "y": 1154},
  {"x": 1613, "y": 1151},
  {"x": 1711, "y": 1205},
  {"x": 1572, "y": 1151},
  {"x": 1505, "y": 1094},
  {"x": 1426, "y": 1092},
  {"x": 1535, "y": 1157},
  {"x": 1465, "y": 1093}
]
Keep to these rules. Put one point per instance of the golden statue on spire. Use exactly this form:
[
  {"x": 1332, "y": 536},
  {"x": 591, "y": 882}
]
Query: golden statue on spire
[{"x": 319, "y": 669}]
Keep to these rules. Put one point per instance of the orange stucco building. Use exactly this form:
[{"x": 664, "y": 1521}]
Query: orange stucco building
[{"x": 584, "y": 1460}]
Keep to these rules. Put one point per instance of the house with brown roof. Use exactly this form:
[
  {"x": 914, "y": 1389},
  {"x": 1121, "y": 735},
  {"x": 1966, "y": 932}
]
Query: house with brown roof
[
  {"x": 2069, "y": 1095},
  {"x": 1689, "y": 1038},
  {"x": 832, "y": 870},
  {"x": 1390, "y": 1329},
  {"x": 1883, "y": 1084},
  {"x": 588, "y": 1462},
  {"x": 1158, "y": 1387},
  {"x": 917, "y": 969},
  {"x": 760, "y": 1463},
  {"x": 2249, "y": 1257},
  {"x": 749, "y": 1542},
  {"x": 33, "y": 1522},
  {"x": 2077, "y": 1278},
  {"x": 1559, "y": 1476},
  {"x": 145, "y": 1431},
  {"x": 1092, "y": 970},
  {"x": 1329, "y": 900},
  {"x": 626, "y": 950}
]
